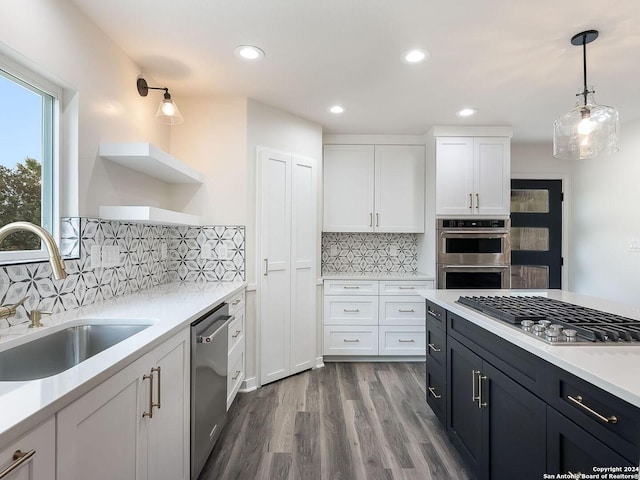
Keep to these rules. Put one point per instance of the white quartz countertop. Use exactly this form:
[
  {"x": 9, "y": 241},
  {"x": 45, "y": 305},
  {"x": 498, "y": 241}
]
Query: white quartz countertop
[
  {"x": 170, "y": 308},
  {"x": 378, "y": 276},
  {"x": 614, "y": 368}
]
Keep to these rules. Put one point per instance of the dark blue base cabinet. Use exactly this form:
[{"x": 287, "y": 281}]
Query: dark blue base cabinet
[{"x": 509, "y": 415}]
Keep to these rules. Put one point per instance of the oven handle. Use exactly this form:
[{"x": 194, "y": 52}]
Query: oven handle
[
  {"x": 218, "y": 328},
  {"x": 466, "y": 233},
  {"x": 489, "y": 268}
]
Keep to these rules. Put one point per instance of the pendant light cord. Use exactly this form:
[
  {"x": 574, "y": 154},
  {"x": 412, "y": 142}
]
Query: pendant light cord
[{"x": 584, "y": 66}]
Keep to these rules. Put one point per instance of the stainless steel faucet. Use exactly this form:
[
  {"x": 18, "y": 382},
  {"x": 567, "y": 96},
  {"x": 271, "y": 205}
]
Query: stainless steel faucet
[
  {"x": 57, "y": 264},
  {"x": 55, "y": 259}
]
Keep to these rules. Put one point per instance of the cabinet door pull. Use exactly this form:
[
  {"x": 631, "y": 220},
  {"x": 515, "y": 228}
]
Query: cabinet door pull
[
  {"x": 351, "y": 287},
  {"x": 436, "y": 349},
  {"x": 477, "y": 201},
  {"x": 406, "y": 310},
  {"x": 434, "y": 314},
  {"x": 157, "y": 369},
  {"x": 377, "y": 220},
  {"x": 351, "y": 310},
  {"x": 406, "y": 288},
  {"x": 149, "y": 414},
  {"x": 236, "y": 302},
  {"x": 578, "y": 401},
  {"x": 470, "y": 201},
  {"x": 266, "y": 267},
  {"x": 19, "y": 457},
  {"x": 346, "y": 340},
  {"x": 238, "y": 372},
  {"x": 235, "y": 335},
  {"x": 371, "y": 219},
  {"x": 433, "y": 393},
  {"x": 481, "y": 378},
  {"x": 474, "y": 397},
  {"x": 406, "y": 341}
]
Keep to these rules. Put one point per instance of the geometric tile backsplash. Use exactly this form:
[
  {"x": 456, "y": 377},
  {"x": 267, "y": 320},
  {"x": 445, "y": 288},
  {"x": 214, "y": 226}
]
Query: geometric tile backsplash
[
  {"x": 369, "y": 253},
  {"x": 142, "y": 263}
]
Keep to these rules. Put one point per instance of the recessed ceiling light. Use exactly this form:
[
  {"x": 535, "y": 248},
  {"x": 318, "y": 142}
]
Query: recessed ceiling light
[
  {"x": 336, "y": 109},
  {"x": 249, "y": 52},
  {"x": 416, "y": 55},
  {"x": 467, "y": 112}
]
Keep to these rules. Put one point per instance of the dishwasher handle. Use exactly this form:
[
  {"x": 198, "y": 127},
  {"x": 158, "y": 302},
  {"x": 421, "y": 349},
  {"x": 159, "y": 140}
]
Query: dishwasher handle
[{"x": 217, "y": 327}]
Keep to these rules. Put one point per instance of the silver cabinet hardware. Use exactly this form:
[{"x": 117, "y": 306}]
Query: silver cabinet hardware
[
  {"x": 435, "y": 349},
  {"x": 346, "y": 340},
  {"x": 474, "y": 397},
  {"x": 377, "y": 220},
  {"x": 235, "y": 335},
  {"x": 238, "y": 372},
  {"x": 433, "y": 393},
  {"x": 481, "y": 403},
  {"x": 434, "y": 314},
  {"x": 371, "y": 219},
  {"x": 406, "y": 341},
  {"x": 149, "y": 377},
  {"x": 19, "y": 458},
  {"x": 470, "y": 201},
  {"x": 406, "y": 310},
  {"x": 157, "y": 369},
  {"x": 406, "y": 288},
  {"x": 477, "y": 201},
  {"x": 351, "y": 287},
  {"x": 351, "y": 310},
  {"x": 234, "y": 303},
  {"x": 578, "y": 401},
  {"x": 266, "y": 267}
]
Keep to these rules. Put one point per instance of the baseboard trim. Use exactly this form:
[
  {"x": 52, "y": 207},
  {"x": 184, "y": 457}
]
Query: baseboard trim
[
  {"x": 319, "y": 363},
  {"x": 248, "y": 385},
  {"x": 372, "y": 358}
]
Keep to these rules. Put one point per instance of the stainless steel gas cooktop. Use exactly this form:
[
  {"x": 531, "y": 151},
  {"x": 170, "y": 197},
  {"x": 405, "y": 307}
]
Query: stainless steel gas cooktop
[{"x": 556, "y": 322}]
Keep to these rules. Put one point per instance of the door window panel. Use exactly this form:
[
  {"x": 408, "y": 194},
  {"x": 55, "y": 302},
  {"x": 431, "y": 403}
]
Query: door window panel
[
  {"x": 530, "y": 201},
  {"x": 530, "y": 239},
  {"x": 529, "y": 276}
]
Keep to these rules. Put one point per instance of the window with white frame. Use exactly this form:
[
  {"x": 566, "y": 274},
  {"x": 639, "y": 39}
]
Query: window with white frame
[{"x": 28, "y": 154}]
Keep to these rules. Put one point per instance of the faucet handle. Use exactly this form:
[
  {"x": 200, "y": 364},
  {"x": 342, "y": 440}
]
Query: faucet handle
[
  {"x": 7, "y": 311},
  {"x": 35, "y": 317}
]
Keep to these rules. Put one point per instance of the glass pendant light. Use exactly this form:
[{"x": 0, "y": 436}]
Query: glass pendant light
[
  {"x": 588, "y": 130},
  {"x": 168, "y": 112}
]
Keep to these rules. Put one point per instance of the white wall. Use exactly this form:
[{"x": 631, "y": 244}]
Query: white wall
[
  {"x": 606, "y": 215},
  {"x": 100, "y": 101}
]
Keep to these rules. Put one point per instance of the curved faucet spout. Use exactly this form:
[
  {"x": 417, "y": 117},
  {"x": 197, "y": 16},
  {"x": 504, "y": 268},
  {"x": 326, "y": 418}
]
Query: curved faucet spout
[{"x": 55, "y": 259}]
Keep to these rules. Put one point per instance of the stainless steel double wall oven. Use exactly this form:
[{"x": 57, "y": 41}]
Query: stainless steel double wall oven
[{"x": 473, "y": 253}]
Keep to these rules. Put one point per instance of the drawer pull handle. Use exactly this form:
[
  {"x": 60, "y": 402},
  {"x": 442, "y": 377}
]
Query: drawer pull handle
[
  {"x": 351, "y": 287},
  {"x": 406, "y": 288},
  {"x": 434, "y": 348},
  {"x": 406, "y": 310},
  {"x": 235, "y": 335},
  {"x": 238, "y": 372},
  {"x": 434, "y": 314},
  {"x": 149, "y": 377},
  {"x": 351, "y": 310},
  {"x": 19, "y": 457},
  {"x": 433, "y": 393},
  {"x": 474, "y": 397},
  {"x": 346, "y": 340},
  {"x": 407, "y": 341},
  {"x": 157, "y": 370},
  {"x": 578, "y": 401},
  {"x": 236, "y": 302}
]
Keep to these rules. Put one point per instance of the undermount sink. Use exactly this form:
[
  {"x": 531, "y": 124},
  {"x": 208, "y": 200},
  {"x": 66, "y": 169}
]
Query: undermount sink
[{"x": 61, "y": 350}]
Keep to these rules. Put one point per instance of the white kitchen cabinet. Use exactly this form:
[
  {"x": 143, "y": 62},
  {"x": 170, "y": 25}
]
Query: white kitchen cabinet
[
  {"x": 39, "y": 465},
  {"x": 377, "y": 188},
  {"x": 359, "y": 322},
  {"x": 114, "y": 431},
  {"x": 236, "y": 360},
  {"x": 287, "y": 206},
  {"x": 473, "y": 176}
]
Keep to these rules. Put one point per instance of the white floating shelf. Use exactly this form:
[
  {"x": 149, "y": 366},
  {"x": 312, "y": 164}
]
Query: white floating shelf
[
  {"x": 150, "y": 160},
  {"x": 145, "y": 214}
]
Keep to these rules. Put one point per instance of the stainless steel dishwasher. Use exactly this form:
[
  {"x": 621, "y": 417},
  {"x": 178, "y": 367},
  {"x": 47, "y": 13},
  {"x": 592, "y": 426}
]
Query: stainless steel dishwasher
[{"x": 209, "y": 339}]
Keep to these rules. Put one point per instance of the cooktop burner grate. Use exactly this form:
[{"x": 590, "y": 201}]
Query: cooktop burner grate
[{"x": 529, "y": 312}]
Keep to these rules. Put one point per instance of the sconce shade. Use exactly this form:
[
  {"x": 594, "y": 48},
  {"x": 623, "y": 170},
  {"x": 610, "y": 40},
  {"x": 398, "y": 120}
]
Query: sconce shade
[{"x": 168, "y": 112}]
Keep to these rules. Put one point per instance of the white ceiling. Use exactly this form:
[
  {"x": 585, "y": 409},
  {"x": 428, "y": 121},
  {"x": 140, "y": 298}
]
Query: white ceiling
[{"x": 510, "y": 59}]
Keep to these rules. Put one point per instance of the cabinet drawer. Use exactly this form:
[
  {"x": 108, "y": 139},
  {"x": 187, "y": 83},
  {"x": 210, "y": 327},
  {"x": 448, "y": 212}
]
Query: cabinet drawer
[
  {"x": 350, "y": 287},
  {"x": 437, "y": 315},
  {"x": 404, "y": 287},
  {"x": 235, "y": 374},
  {"x": 436, "y": 346},
  {"x": 350, "y": 310},
  {"x": 236, "y": 330},
  {"x": 236, "y": 303},
  {"x": 401, "y": 340},
  {"x": 401, "y": 310},
  {"x": 42, "y": 463},
  {"x": 350, "y": 340},
  {"x": 437, "y": 392},
  {"x": 593, "y": 409}
]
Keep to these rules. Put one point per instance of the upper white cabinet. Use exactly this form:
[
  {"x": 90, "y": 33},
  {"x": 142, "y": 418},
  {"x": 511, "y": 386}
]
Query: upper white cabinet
[
  {"x": 374, "y": 188},
  {"x": 473, "y": 176}
]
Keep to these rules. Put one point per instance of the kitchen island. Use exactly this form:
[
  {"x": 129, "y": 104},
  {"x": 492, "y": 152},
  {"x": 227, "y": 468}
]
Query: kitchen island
[{"x": 515, "y": 405}]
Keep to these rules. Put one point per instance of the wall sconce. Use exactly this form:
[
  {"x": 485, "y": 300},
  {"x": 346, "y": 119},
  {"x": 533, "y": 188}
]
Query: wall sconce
[{"x": 168, "y": 112}]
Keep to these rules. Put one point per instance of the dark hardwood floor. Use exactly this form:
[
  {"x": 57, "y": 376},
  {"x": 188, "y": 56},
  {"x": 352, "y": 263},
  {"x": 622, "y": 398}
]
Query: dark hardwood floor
[{"x": 345, "y": 421}]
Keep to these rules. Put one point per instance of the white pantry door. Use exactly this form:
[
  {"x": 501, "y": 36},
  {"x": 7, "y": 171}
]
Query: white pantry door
[{"x": 287, "y": 246}]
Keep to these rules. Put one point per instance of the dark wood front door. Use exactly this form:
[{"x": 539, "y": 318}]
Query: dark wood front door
[{"x": 536, "y": 233}]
